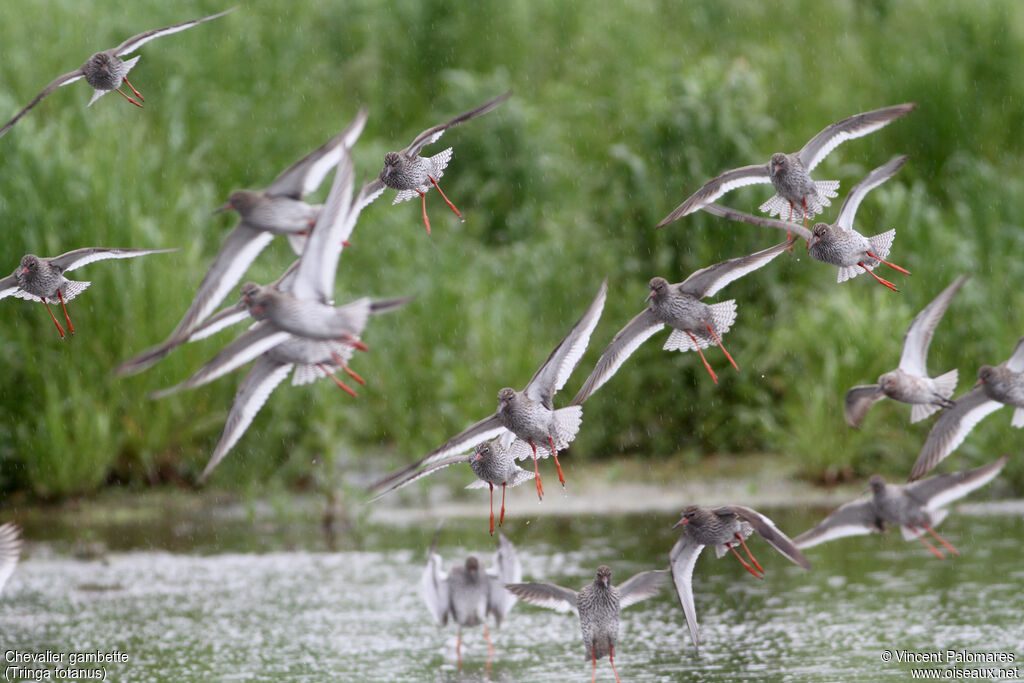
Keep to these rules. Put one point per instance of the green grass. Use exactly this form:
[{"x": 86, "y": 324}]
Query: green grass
[{"x": 619, "y": 113}]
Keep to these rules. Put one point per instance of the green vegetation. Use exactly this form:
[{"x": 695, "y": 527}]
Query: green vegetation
[{"x": 618, "y": 114}]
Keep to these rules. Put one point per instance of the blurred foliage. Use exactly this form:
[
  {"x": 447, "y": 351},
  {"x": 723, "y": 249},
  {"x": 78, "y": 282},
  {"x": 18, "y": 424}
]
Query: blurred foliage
[{"x": 620, "y": 111}]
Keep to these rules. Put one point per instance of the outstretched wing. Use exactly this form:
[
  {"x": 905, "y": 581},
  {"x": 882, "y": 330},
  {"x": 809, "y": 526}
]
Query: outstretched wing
[
  {"x": 80, "y": 257},
  {"x": 641, "y": 586},
  {"x": 636, "y": 332},
  {"x": 851, "y": 519},
  {"x": 254, "y": 391},
  {"x": 435, "y": 589},
  {"x": 10, "y": 550},
  {"x": 682, "y": 559},
  {"x": 734, "y": 215},
  {"x": 432, "y": 135},
  {"x": 412, "y": 473},
  {"x": 872, "y": 180},
  {"x": 8, "y": 286},
  {"x": 506, "y": 569},
  {"x": 858, "y": 125},
  {"x": 306, "y": 174},
  {"x": 913, "y": 360},
  {"x": 771, "y": 533},
  {"x": 952, "y": 427},
  {"x": 69, "y": 77},
  {"x": 545, "y": 595},
  {"x": 555, "y": 371},
  {"x": 716, "y": 187},
  {"x": 1016, "y": 360},
  {"x": 934, "y": 492},
  {"x": 708, "y": 281},
  {"x": 135, "y": 42},
  {"x": 859, "y": 400}
]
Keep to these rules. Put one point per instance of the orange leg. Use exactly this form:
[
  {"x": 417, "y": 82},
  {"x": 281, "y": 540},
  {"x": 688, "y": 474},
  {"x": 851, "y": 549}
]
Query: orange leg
[
  {"x": 749, "y": 554},
  {"x": 129, "y": 98},
  {"x": 935, "y": 551},
  {"x": 492, "y": 509},
  {"x": 789, "y": 235},
  {"x": 707, "y": 366},
  {"x": 353, "y": 342},
  {"x": 341, "y": 385},
  {"x": 719, "y": 342},
  {"x": 501, "y": 520},
  {"x": 593, "y": 670},
  {"x": 554, "y": 454},
  {"x": 59, "y": 328},
  {"x": 450, "y": 205},
  {"x": 71, "y": 328},
  {"x": 940, "y": 539},
  {"x": 881, "y": 280},
  {"x": 458, "y": 648},
  {"x": 137, "y": 93},
  {"x": 490, "y": 646},
  {"x": 426, "y": 221},
  {"x": 891, "y": 265},
  {"x": 536, "y": 472},
  {"x": 611, "y": 658},
  {"x": 744, "y": 563}
]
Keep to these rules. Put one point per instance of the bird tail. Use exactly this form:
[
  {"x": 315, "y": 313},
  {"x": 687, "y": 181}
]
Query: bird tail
[
  {"x": 722, "y": 317},
  {"x": 880, "y": 245},
  {"x": 945, "y": 385},
  {"x": 1018, "y": 418},
  {"x": 73, "y": 288}
]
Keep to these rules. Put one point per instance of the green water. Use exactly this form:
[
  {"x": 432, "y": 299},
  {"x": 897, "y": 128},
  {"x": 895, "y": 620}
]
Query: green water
[{"x": 190, "y": 595}]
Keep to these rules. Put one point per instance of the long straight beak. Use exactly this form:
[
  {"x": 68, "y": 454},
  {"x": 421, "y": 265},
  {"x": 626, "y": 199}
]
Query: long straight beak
[
  {"x": 222, "y": 209},
  {"x": 680, "y": 523}
]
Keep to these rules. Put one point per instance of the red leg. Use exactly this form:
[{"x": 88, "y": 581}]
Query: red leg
[
  {"x": 891, "y": 265},
  {"x": 744, "y": 563},
  {"x": 749, "y": 554},
  {"x": 353, "y": 342},
  {"x": 490, "y": 646},
  {"x": 426, "y": 221},
  {"x": 71, "y": 328},
  {"x": 707, "y": 366},
  {"x": 554, "y": 454},
  {"x": 593, "y": 659},
  {"x": 341, "y": 385},
  {"x": 458, "y": 648},
  {"x": 450, "y": 205},
  {"x": 536, "y": 472},
  {"x": 940, "y": 539},
  {"x": 611, "y": 658},
  {"x": 492, "y": 509},
  {"x": 137, "y": 93},
  {"x": 129, "y": 98},
  {"x": 935, "y": 551},
  {"x": 719, "y": 342},
  {"x": 501, "y": 520},
  {"x": 881, "y": 280},
  {"x": 59, "y": 328},
  {"x": 348, "y": 371}
]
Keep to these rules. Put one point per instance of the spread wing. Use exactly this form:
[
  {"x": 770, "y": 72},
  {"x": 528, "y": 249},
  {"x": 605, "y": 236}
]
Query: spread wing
[
  {"x": 8, "y": 286},
  {"x": 641, "y": 586},
  {"x": 10, "y": 550},
  {"x": 435, "y": 589},
  {"x": 734, "y": 215},
  {"x": 708, "y": 281},
  {"x": 872, "y": 180},
  {"x": 941, "y": 490},
  {"x": 952, "y": 427},
  {"x": 135, "y": 42},
  {"x": 919, "y": 335},
  {"x": 849, "y": 128},
  {"x": 771, "y": 533},
  {"x": 80, "y": 257},
  {"x": 545, "y": 595},
  {"x": 682, "y": 559},
  {"x": 69, "y": 77},
  {"x": 716, "y": 187},
  {"x": 432, "y": 135},
  {"x": 851, "y": 519},
  {"x": 859, "y": 400},
  {"x": 306, "y": 174},
  {"x": 1016, "y": 360},
  {"x": 636, "y": 332},
  {"x": 249, "y": 346},
  {"x": 506, "y": 569},
  {"x": 412, "y": 473},
  {"x": 555, "y": 371},
  {"x": 254, "y": 391}
]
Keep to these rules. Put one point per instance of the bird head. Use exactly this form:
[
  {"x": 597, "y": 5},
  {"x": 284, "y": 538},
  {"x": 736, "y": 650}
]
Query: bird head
[
  {"x": 391, "y": 160},
  {"x": 659, "y": 287},
  {"x": 688, "y": 514},
  {"x": 505, "y": 398},
  {"x": 604, "y": 576},
  {"x": 778, "y": 164}
]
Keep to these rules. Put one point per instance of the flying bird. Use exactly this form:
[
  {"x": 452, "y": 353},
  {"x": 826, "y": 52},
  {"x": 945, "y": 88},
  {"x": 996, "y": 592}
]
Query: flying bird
[
  {"x": 105, "y": 71},
  {"x": 997, "y": 386},
  {"x": 910, "y": 383},
  {"x": 916, "y": 508},
  {"x": 598, "y": 605},
  {"x": 723, "y": 528},
  {"x": 42, "y": 279},
  {"x": 789, "y": 174},
  {"x": 412, "y": 175}
]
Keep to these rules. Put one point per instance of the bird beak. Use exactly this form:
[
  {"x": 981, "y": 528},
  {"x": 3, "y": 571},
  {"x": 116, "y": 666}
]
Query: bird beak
[
  {"x": 479, "y": 456},
  {"x": 650, "y": 296},
  {"x": 24, "y": 271},
  {"x": 387, "y": 170},
  {"x": 221, "y": 209},
  {"x": 680, "y": 523}
]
